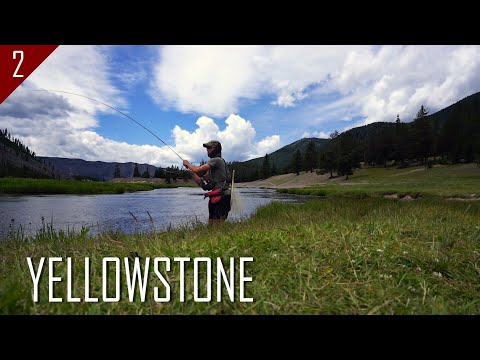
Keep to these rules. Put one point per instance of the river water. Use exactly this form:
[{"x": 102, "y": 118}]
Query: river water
[{"x": 141, "y": 211}]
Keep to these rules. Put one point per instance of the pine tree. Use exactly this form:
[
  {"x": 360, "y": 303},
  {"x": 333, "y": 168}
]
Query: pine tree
[
  {"x": 266, "y": 167},
  {"x": 274, "y": 170},
  {"x": 328, "y": 161},
  {"x": 334, "y": 134},
  {"x": 297, "y": 162},
  {"x": 349, "y": 156},
  {"x": 424, "y": 137},
  {"x": 159, "y": 173},
  {"x": 422, "y": 112},
  {"x": 310, "y": 157}
]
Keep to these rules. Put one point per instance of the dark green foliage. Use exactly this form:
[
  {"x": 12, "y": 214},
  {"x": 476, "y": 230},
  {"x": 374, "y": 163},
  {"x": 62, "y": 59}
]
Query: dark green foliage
[
  {"x": 14, "y": 154},
  {"x": 450, "y": 135},
  {"x": 349, "y": 156},
  {"x": 422, "y": 112},
  {"x": 327, "y": 161},
  {"x": 274, "y": 170},
  {"x": 281, "y": 160},
  {"x": 159, "y": 173},
  {"x": 297, "y": 162},
  {"x": 266, "y": 170},
  {"x": 311, "y": 155}
]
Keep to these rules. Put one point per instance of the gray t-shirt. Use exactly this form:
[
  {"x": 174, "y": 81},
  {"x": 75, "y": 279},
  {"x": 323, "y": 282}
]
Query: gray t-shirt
[{"x": 219, "y": 172}]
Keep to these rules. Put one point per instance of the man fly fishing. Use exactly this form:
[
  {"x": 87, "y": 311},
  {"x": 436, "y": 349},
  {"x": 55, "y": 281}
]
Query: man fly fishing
[{"x": 214, "y": 177}]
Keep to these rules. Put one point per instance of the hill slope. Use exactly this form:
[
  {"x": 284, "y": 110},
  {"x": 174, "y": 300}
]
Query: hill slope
[
  {"x": 280, "y": 159},
  {"x": 16, "y": 160}
]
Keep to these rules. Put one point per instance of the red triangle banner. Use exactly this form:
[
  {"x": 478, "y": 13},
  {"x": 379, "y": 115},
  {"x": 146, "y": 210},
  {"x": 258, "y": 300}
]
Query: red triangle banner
[{"x": 17, "y": 62}]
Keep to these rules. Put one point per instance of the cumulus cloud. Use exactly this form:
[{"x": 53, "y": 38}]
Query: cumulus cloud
[
  {"x": 205, "y": 79},
  {"x": 81, "y": 70},
  {"x": 237, "y": 139},
  {"x": 55, "y": 137},
  {"x": 399, "y": 79},
  {"x": 266, "y": 146},
  {"x": 55, "y": 123},
  {"x": 24, "y": 105},
  {"x": 214, "y": 80},
  {"x": 64, "y": 130},
  {"x": 371, "y": 82}
]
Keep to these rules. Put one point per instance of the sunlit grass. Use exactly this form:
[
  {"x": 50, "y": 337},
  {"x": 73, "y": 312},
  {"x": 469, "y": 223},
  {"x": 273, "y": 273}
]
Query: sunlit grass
[
  {"x": 330, "y": 256},
  {"x": 445, "y": 181}
]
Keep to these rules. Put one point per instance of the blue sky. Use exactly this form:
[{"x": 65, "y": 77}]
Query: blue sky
[{"x": 254, "y": 99}]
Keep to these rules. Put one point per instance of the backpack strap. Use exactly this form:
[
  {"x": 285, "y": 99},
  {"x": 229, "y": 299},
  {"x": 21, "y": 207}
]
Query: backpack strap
[{"x": 225, "y": 183}]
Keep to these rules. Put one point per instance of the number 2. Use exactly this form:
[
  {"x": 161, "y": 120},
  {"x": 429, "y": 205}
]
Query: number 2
[{"x": 19, "y": 63}]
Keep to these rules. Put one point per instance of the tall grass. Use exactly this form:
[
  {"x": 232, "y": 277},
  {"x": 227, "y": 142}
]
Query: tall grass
[{"x": 330, "y": 256}]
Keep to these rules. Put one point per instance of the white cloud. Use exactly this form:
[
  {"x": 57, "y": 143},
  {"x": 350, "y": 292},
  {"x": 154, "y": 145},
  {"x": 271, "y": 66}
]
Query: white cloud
[
  {"x": 237, "y": 139},
  {"x": 60, "y": 124},
  {"x": 399, "y": 79},
  {"x": 79, "y": 69},
  {"x": 214, "y": 80},
  {"x": 371, "y": 82},
  {"x": 266, "y": 146},
  {"x": 57, "y": 123},
  {"x": 318, "y": 85},
  {"x": 205, "y": 79},
  {"x": 317, "y": 134}
]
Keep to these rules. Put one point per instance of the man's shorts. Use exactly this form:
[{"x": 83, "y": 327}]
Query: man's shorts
[{"x": 221, "y": 209}]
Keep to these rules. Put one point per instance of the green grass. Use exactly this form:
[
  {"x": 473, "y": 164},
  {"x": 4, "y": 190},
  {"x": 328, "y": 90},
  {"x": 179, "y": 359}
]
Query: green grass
[
  {"x": 331, "y": 256},
  {"x": 47, "y": 186},
  {"x": 444, "y": 181}
]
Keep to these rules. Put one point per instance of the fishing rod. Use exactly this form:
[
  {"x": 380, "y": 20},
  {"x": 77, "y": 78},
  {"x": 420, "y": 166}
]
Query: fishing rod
[{"x": 111, "y": 107}]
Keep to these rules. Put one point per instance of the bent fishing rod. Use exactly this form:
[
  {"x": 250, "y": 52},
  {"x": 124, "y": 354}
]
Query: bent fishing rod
[{"x": 111, "y": 107}]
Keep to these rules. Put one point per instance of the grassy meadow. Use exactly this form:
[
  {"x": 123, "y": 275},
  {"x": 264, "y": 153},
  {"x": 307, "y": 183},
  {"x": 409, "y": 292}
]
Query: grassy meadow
[
  {"x": 350, "y": 252},
  {"x": 453, "y": 181},
  {"x": 49, "y": 186}
]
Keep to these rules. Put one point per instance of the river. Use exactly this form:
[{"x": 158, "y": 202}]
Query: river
[{"x": 141, "y": 211}]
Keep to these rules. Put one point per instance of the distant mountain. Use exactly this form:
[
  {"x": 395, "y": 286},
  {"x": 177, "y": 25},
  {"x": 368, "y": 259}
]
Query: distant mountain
[
  {"x": 75, "y": 168},
  {"x": 465, "y": 110},
  {"x": 468, "y": 108},
  {"x": 283, "y": 157}
]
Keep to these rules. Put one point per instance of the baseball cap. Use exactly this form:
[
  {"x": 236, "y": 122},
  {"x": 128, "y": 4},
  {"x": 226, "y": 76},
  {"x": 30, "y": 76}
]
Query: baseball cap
[{"x": 213, "y": 143}]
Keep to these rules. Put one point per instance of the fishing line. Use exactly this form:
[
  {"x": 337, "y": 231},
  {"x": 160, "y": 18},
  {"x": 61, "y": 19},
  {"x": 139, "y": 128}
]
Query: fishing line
[{"x": 111, "y": 107}]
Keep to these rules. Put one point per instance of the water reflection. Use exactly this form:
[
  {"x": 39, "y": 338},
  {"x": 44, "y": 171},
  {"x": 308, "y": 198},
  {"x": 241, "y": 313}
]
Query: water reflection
[{"x": 132, "y": 212}]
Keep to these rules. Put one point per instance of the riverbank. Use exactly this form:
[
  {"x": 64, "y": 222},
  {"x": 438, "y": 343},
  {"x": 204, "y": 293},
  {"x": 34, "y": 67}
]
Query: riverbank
[
  {"x": 441, "y": 177},
  {"x": 176, "y": 182},
  {"x": 48, "y": 186},
  {"x": 332, "y": 256},
  {"x": 453, "y": 182}
]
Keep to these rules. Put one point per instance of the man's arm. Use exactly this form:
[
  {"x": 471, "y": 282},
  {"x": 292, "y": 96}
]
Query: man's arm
[{"x": 197, "y": 169}]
